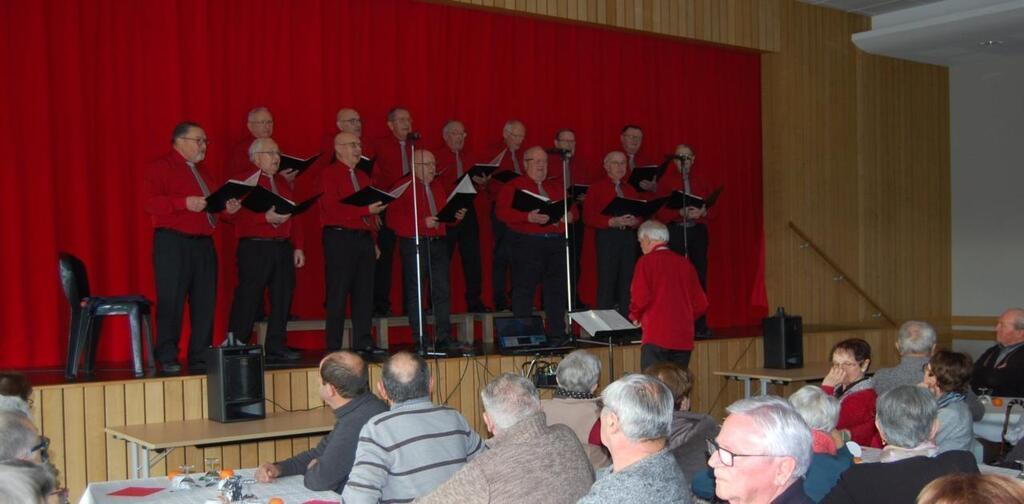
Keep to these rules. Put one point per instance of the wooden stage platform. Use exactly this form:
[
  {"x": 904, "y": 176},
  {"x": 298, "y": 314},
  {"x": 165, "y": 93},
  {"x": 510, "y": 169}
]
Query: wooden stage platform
[{"x": 73, "y": 414}]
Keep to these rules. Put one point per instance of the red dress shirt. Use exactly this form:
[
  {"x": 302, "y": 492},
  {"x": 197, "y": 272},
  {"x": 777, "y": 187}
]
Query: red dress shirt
[
  {"x": 388, "y": 168},
  {"x": 599, "y": 195},
  {"x": 500, "y": 155},
  {"x": 447, "y": 169},
  {"x": 517, "y": 220},
  {"x": 666, "y": 299},
  {"x": 249, "y": 224},
  {"x": 673, "y": 181},
  {"x": 165, "y": 185},
  {"x": 335, "y": 182},
  {"x": 400, "y": 212}
]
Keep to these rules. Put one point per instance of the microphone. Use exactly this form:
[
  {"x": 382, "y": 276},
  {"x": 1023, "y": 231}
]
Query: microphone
[
  {"x": 560, "y": 152},
  {"x": 413, "y": 136}
]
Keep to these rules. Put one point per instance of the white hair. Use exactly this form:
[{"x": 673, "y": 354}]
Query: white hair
[
  {"x": 653, "y": 230},
  {"x": 905, "y": 415},
  {"x": 578, "y": 372},
  {"x": 818, "y": 409},
  {"x": 15, "y": 404},
  {"x": 255, "y": 146},
  {"x": 17, "y": 435},
  {"x": 449, "y": 125},
  {"x": 916, "y": 337},
  {"x": 508, "y": 399},
  {"x": 783, "y": 432},
  {"x": 24, "y": 481},
  {"x": 643, "y": 405}
]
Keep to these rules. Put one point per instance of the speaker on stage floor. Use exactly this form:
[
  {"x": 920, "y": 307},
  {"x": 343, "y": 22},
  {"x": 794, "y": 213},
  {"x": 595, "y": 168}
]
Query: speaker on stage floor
[
  {"x": 783, "y": 341},
  {"x": 234, "y": 383}
]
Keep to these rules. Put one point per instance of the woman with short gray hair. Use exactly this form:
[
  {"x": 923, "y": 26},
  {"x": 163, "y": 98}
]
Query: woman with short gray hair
[
  {"x": 575, "y": 404},
  {"x": 906, "y": 418}
]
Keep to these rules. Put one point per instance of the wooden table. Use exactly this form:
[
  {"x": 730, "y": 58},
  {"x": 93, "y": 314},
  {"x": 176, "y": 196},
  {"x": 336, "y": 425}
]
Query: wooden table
[
  {"x": 810, "y": 372},
  {"x": 164, "y": 437}
]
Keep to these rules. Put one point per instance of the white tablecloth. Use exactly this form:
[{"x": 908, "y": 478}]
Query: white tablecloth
[
  {"x": 289, "y": 489},
  {"x": 990, "y": 427}
]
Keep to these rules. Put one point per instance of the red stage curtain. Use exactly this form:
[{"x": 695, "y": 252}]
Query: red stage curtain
[{"x": 93, "y": 88}]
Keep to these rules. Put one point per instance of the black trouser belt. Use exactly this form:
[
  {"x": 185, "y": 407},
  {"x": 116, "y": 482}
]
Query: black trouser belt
[{"x": 187, "y": 236}]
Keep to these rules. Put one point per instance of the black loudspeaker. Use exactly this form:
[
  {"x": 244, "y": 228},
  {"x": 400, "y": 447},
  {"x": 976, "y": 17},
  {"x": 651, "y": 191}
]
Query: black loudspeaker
[
  {"x": 783, "y": 341},
  {"x": 234, "y": 383}
]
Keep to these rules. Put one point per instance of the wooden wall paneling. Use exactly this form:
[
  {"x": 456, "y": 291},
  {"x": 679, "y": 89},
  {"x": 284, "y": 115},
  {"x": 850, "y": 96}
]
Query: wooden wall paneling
[
  {"x": 95, "y": 439},
  {"x": 192, "y": 409},
  {"x": 52, "y": 426},
  {"x": 74, "y": 439},
  {"x": 114, "y": 414},
  {"x": 174, "y": 410}
]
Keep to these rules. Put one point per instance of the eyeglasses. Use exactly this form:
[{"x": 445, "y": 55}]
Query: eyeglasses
[
  {"x": 846, "y": 364},
  {"x": 200, "y": 141},
  {"x": 727, "y": 457},
  {"x": 347, "y": 144},
  {"x": 275, "y": 153},
  {"x": 44, "y": 444},
  {"x": 262, "y": 123},
  {"x": 354, "y": 120},
  {"x": 61, "y": 494}
]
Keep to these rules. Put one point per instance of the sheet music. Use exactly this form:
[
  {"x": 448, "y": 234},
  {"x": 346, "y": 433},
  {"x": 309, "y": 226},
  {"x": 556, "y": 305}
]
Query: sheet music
[{"x": 594, "y": 321}]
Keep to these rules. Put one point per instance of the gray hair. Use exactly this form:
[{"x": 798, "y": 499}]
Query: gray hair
[
  {"x": 905, "y": 415},
  {"x": 508, "y": 399},
  {"x": 257, "y": 110},
  {"x": 509, "y": 124},
  {"x": 579, "y": 372},
  {"x": 14, "y": 404},
  {"x": 784, "y": 433},
  {"x": 653, "y": 230},
  {"x": 642, "y": 404},
  {"x": 393, "y": 113},
  {"x": 916, "y": 337},
  {"x": 25, "y": 482},
  {"x": 1018, "y": 318},
  {"x": 255, "y": 146},
  {"x": 608, "y": 157},
  {"x": 17, "y": 435},
  {"x": 449, "y": 124},
  {"x": 818, "y": 409}
]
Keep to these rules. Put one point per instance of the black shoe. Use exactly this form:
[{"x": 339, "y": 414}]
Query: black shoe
[
  {"x": 283, "y": 354},
  {"x": 170, "y": 367},
  {"x": 704, "y": 334},
  {"x": 500, "y": 307},
  {"x": 477, "y": 307},
  {"x": 580, "y": 306},
  {"x": 381, "y": 312},
  {"x": 372, "y": 353}
]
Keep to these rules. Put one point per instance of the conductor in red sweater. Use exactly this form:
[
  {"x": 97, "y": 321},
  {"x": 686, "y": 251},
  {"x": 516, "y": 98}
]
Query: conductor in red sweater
[{"x": 665, "y": 299}]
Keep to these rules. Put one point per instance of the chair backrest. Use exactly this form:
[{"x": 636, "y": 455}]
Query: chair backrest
[{"x": 73, "y": 278}]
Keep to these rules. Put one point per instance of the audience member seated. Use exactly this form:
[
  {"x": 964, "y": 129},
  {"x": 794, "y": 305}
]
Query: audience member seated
[
  {"x": 761, "y": 453},
  {"x": 848, "y": 382},
  {"x": 946, "y": 376},
  {"x": 690, "y": 430},
  {"x": 635, "y": 424},
  {"x": 15, "y": 393},
  {"x": 907, "y": 423},
  {"x": 526, "y": 460},
  {"x": 19, "y": 439},
  {"x": 1001, "y": 368},
  {"x": 344, "y": 387},
  {"x": 916, "y": 344},
  {"x": 412, "y": 449},
  {"x": 25, "y": 482},
  {"x": 575, "y": 404},
  {"x": 971, "y": 489}
]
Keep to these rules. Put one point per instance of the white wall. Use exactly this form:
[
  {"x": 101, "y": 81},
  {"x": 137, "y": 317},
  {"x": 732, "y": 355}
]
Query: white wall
[{"x": 987, "y": 142}]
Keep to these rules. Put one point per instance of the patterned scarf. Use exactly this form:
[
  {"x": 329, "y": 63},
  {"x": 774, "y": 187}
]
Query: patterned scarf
[{"x": 561, "y": 393}]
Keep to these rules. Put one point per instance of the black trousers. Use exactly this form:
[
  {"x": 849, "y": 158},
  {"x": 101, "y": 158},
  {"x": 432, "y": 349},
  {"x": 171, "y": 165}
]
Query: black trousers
[
  {"x": 501, "y": 262},
  {"x": 539, "y": 260},
  {"x": 653, "y": 354},
  {"x": 263, "y": 265},
  {"x": 466, "y": 236},
  {"x": 185, "y": 268},
  {"x": 696, "y": 237},
  {"x": 616, "y": 259},
  {"x": 348, "y": 264},
  {"x": 382, "y": 274},
  {"x": 434, "y": 272},
  {"x": 575, "y": 255}
]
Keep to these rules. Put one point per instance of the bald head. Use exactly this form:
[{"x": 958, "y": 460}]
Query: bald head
[
  {"x": 1010, "y": 327},
  {"x": 347, "y": 148},
  {"x": 536, "y": 161},
  {"x": 425, "y": 165},
  {"x": 405, "y": 376},
  {"x": 346, "y": 373},
  {"x": 513, "y": 133},
  {"x": 348, "y": 121},
  {"x": 260, "y": 122}
]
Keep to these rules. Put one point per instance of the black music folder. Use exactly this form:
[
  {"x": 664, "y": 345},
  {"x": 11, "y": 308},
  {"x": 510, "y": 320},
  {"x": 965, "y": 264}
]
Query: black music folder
[
  {"x": 370, "y": 195},
  {"x": 482, "y": 170},
  {"x": 232, "y": 189},
  {"x": 260, "y": 200},
  {"x": 366, "y": 164},
  {"x": 461, "y": 197},
  {"x": 635, "y": 207},
  {"x": 526, "y": 201},
  {"x": 297, "y": 164},
  {"x": 505, "y": 175},
  {"x": 646, "y": 172},
  {"x": 577, "y": 190},
  {"x": 680, "y": 199}
]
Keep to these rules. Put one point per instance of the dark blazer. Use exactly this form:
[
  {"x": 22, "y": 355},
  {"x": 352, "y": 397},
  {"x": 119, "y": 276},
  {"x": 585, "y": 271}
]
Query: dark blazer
[
  {"x": 1006, "y": 379},
  {"x": 897, "y": 482}
]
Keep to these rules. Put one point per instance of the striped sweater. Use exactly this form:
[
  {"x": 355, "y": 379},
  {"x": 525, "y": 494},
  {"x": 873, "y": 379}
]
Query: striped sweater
[{"x": 408, "y": 452}]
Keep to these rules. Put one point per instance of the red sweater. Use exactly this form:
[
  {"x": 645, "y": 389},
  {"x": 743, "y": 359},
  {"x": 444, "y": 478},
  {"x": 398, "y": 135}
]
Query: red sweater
[
  {"x": 599, "y": 195},
  {"x": 165, "y": 185},
  {"x": 517, "y": 220},
  {"x": 666, "y": 299},
  {"x": 857, "y": 414}
]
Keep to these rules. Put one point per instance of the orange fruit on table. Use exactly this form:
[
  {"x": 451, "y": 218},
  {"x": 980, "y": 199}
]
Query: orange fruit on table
[
  {"x": 997, "y": 402},
  {"x": 275, "y": 500},
  {"x": 173, "y": 474},
  {"x": 226, "y": 473}
]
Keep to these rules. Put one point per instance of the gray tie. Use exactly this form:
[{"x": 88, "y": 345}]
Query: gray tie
[
  {"x": 515, "y": 162},
  {"x": 686, "y": 181},
  {"x": 618, "y": 190},
  {"x": 541, "y": 191},
  {"x": 273, "y": 185},
  {"x": 632, "y": 161},
  {"x": 405, "y": 158},
  {"x": 430, "y": 199},
  {"x": 458, "y": 164},
  {"x": 205, "y": 190},
  {"x": 355, "y": 180}
]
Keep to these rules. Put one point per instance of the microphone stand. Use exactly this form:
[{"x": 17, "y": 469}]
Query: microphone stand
[
  {"x": 686, "y": 214},
  {"x": 566, "y": 154},
  {"x": 411, "y": 139}
]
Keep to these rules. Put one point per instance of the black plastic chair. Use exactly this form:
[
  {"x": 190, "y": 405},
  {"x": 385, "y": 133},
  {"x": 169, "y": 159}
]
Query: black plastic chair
[{"x": 88, "y": 311}]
